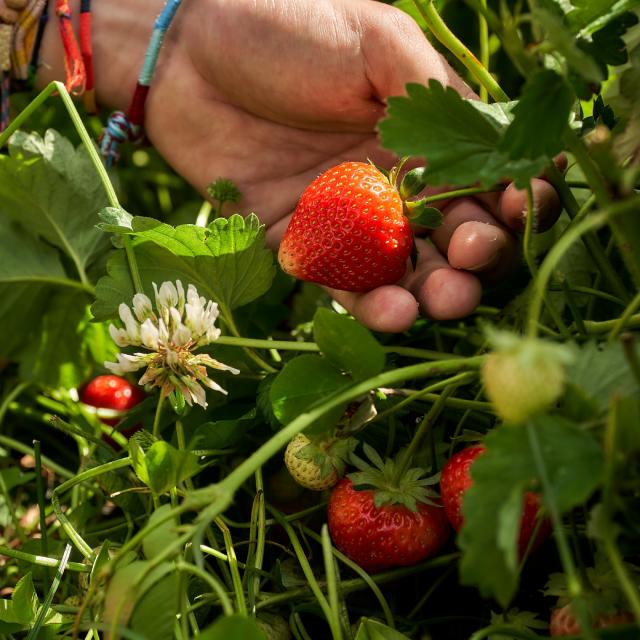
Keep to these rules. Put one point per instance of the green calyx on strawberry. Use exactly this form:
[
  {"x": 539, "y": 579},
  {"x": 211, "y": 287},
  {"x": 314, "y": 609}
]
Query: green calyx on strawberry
[
  {"x": 606, "y": 603},
  {"x": 317, "y": 464},
  {"x": 350, "y": 230},
  {"x": 409, "y": 489},
  {"x": 380, "y": 521},
  {"x": 524, "y": 376}
]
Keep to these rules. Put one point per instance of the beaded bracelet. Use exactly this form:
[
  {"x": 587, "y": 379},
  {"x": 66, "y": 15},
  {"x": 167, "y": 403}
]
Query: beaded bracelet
[
  {"x": 22, "y": 25},
  {"x": 128, "y": 126}
]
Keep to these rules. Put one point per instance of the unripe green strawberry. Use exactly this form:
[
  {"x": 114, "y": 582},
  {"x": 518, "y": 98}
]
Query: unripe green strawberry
[
  {"x": 305, "y": 469},
  {"x": 524, "y": 376}
]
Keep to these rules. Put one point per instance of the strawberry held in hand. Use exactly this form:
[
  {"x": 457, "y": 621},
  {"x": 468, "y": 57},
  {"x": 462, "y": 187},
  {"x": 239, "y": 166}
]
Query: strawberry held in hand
[
  {"x": 456, "y": 479},
  {"x": 348, "y": 231}
]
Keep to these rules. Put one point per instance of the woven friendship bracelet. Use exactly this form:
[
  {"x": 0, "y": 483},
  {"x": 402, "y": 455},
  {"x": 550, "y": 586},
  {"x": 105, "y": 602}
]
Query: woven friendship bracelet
[
  {"x": 18, "y": 28},
  {"x": 128, "y": 127},
  {"x": 76, "y": 76}
]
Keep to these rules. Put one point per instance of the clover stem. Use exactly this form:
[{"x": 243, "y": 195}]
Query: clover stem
[
  {"x": 230, "y": 322},
  {"x": 156, "y": 417},
  {"x": 442, "y": 32}
]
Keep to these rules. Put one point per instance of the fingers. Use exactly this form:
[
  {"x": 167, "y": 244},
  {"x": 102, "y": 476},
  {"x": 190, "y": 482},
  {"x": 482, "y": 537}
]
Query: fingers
[
  {"x": 443, "y": 293},
  {"x": 471, "y": 238},
  {"x": 389, "y": 308},
  {"x": 396, "y": 52},
  {"x": 512, "y": 209}
]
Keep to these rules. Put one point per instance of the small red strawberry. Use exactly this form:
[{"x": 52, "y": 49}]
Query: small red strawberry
[
  {"x": 456, "y": 479},
  {"x": 565, "y": 623},
  {"x": 380, "y": 520},
  {"x": 111, "y": 392},
  {"x": 603, "y": 597},
  {"x": 383, "y": 537},
  {"x": 348, "y": 231}
]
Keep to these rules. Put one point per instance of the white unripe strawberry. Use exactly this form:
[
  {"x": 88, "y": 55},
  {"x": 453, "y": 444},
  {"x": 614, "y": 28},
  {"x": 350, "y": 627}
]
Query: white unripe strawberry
[{"x": 307, "y": 467}]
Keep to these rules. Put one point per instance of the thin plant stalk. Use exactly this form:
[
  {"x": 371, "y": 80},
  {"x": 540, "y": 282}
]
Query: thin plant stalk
[{"x": 442, "y": 32}]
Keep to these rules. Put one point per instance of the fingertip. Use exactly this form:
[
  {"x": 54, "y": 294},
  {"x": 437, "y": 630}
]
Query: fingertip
[
  {"x": 390, "y": 309},
  {"x": 547, "y": 206},
  {"x": 448, "y": 294}
]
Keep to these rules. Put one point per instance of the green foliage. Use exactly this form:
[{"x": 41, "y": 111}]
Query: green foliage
[
  {"x": 545, "y": 106},
  {"x": 600, "y": 372},
  {"x": 347, "y": 344},
  {"x": 161, "y": 466},
  {"x": 492, "y": 506},
  {"x": 54, "y": 186},
  {"x": 226, "y": 261},
  {"x": 303, "y": 383},
  {"x": 144, "y": 599},
  {"x": 463, "y": 144},
  {"x": 233, "y": 627},
  {"x": 373, "y": 630}
]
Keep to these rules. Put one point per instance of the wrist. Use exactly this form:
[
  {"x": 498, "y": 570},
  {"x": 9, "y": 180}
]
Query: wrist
[{"x": 120, "y": 33}]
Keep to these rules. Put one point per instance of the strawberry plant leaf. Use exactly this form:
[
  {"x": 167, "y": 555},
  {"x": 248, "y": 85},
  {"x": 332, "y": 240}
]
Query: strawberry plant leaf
[
  {"x": 147, "y": 605},
  {"x": 435, "y": 122},
  {"x": 25, "y": 600},
  {"x": 162, "y": 466},
  {"x": 556, "y": 33},
  {"x": 161, "y": 535},
  {"x": 460, "y": 143},
  {"x": 374, "y": 630},
  {"x": 347, "y": 344},
  {"x": 227, "y": 261},
  {"x": 54, "y": 186},
  {"x": 588, "y": 16},
  {"x": 488, "y": 538},
  {"x": 233, "y": 627},
  {"x": 601, "y": 372},
  {"x": 115, "y": 220},
  {"x": 544, "y": 107},
  {"x": 63, "y": 356},
  {"x": 23, "y": 284},
  {"x": 292, "y": 392}
]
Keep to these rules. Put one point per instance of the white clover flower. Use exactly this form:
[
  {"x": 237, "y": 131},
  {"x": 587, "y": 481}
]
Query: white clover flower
[{"x": 171, "y": 333}]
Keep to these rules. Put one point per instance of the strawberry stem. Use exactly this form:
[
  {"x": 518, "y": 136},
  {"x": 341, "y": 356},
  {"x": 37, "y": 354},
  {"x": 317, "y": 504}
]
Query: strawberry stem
[
  {"x": 428, "y": 420},
  {"x": 442, "y": 32}
]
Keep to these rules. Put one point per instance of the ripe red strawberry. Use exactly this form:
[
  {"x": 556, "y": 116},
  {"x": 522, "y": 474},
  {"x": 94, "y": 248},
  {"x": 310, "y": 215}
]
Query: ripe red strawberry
[
  {"x": 565, "y": 623},
  {"x": 383, "y": 537},
  {"x": 348, "y": 231},
  {"x": 111, "y": 392},
  {"x": 456, "y": 479}
]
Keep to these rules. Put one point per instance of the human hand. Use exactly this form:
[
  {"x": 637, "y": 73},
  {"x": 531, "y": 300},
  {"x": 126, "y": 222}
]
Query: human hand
[{"x": 270, "y": 94}]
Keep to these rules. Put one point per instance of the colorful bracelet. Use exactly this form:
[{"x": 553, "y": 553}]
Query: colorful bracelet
[
  {"x": 19, "y": 20},
  {"x": 128, "y": 126},
  {"x": 22, "y": 25}
]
